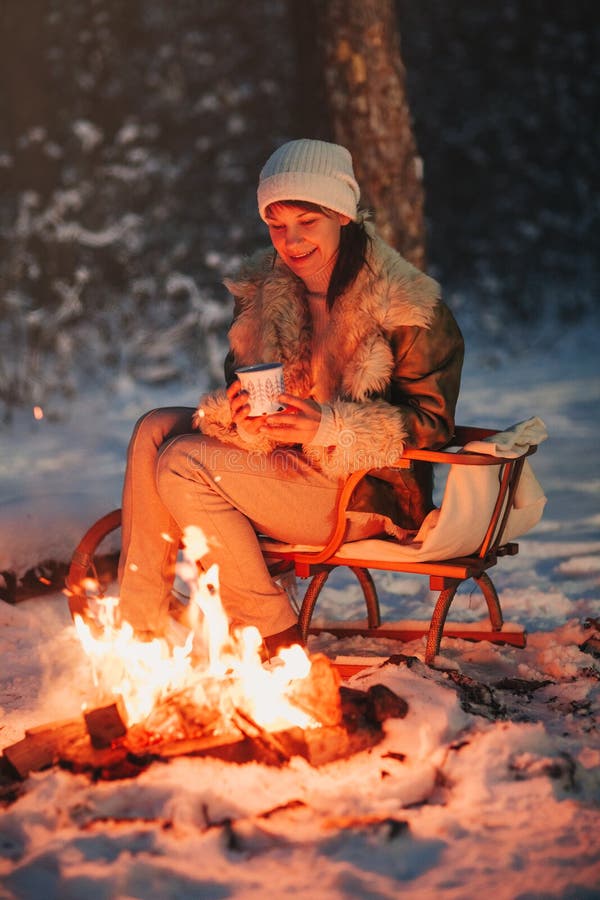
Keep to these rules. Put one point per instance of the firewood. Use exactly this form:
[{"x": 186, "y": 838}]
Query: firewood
[
  {"x": 319, "y": 693},
  {"x": 187, "y": 712},
  {"x": 50, "y": 728},
  {"x": 385, "y": 704},
  {"x": 324, "y": 745},
  {"x": 29, "y": 755},
  {"x": 101, "y": 746},
  {"x": 355, "y": 707},
  {"x": 39, "y": 748},
  {"x": 66, "y": 744},
  {"x": 105, "y": 724},
  {"x": 318, "y": 746},
  {"x": 270, "y": 741}
]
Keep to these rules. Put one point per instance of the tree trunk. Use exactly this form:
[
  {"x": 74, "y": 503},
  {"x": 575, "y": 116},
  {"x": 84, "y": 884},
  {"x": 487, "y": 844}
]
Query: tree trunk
[{"x": 365, "y": 87}]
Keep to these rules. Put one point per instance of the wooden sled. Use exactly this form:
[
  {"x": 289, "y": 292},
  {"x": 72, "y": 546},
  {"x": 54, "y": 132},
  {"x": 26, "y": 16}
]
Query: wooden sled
[
  {"x": 486, "y": 526},
  {"x": 485, "y": 519}
]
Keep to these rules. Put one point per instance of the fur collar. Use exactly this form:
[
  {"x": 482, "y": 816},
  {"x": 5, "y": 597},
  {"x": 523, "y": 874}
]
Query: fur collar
[{"x": 273, "y": 321}]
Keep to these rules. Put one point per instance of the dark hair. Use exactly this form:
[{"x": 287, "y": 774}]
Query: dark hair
[{"x": 352, "y": 255}]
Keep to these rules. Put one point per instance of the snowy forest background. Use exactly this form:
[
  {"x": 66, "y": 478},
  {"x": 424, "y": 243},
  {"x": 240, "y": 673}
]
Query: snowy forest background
[{"x": 132, "y": 134}]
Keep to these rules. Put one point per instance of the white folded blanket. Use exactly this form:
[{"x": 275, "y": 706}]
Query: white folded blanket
[
  {"x": 513, "y": 441},
  {"x": 458, "y": 527}
]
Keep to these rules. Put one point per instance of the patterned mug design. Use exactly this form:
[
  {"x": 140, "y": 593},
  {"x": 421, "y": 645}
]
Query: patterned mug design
[{"x": 264, "y": 383}]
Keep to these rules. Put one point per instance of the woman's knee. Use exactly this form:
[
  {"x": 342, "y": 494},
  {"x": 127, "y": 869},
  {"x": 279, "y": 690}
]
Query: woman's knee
[
  {"x": 157, "y": 425},
  {"x": 179, "y": 457}
]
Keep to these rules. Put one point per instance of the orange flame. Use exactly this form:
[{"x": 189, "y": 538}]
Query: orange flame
[{"x": 215, "y": 667}]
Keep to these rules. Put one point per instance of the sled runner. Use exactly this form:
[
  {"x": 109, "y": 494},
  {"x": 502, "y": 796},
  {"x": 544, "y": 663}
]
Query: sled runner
[{"x": 491, "y": 496}]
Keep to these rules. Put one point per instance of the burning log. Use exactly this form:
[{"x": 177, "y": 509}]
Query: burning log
[
  {"x": 318, "y": 694},
  {"x": 105, "y": 724},
  {"x": 99, "y": 744},
  {"x": 39, "y": 749},
  {"x": 270, "y": 742}
]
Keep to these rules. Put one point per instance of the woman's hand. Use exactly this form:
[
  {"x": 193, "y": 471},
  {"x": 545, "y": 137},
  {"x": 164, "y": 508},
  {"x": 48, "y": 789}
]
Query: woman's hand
[
  {"x": 240, "y": 409},
  {"x": 296, "y": 424}
]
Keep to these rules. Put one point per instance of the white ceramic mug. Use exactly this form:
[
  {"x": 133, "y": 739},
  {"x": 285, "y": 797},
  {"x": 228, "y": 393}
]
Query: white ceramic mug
[{"x": 264, "y": 383}]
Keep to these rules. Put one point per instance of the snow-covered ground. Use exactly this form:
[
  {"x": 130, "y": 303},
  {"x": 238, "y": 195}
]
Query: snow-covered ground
[{"x": 498, "y": 781}]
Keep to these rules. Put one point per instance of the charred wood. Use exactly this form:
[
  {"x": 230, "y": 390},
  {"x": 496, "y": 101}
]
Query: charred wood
[{"x": 100, "y": 746}]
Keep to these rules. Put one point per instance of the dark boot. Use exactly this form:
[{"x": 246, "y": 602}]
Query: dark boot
[{"x": 274, "y": 642}]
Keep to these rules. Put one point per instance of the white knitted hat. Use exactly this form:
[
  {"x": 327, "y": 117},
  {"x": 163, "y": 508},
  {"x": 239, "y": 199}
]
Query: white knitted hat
[{"x": 313, "y": 171}]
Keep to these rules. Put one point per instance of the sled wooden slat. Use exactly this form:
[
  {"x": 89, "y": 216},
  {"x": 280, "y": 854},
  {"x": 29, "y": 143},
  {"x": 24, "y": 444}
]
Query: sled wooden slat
[{"x": 516, "y": 638}]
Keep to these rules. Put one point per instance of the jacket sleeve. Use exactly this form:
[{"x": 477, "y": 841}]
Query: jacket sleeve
[
  {"x": 426, "y": 379},
  {"x": 417, "y": 409}
]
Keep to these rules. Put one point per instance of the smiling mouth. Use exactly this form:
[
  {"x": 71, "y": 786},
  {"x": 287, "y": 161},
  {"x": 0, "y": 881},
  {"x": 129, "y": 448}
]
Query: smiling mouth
[{"x": 302, "y": 256}]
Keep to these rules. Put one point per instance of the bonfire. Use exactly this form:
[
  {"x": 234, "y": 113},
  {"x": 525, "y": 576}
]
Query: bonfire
[{"x": 203, "y": 689}]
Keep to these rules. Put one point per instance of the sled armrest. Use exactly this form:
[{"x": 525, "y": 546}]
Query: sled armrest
[{"x": 446, "y": 455}]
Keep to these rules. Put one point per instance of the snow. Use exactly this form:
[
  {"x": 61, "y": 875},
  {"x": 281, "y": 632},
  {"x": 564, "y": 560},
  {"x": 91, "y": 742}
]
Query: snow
[{"x": 490, "y": 784}]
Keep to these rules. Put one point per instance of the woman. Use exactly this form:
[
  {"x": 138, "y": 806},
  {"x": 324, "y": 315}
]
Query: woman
[{"x": 372, "y": 361}]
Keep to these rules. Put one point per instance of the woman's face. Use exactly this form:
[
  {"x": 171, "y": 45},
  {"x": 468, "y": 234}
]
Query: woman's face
[{"x": 305, "y": 239}]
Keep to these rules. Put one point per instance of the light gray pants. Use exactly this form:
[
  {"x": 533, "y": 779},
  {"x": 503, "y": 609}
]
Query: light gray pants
[{"x": 174, "y": 479}]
